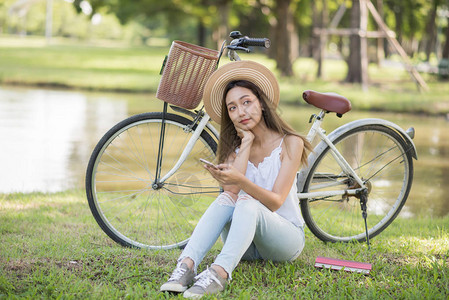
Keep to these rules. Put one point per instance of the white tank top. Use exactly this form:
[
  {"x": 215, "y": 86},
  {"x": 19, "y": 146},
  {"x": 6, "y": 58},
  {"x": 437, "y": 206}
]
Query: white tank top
[{"x": 265, "y": 174}]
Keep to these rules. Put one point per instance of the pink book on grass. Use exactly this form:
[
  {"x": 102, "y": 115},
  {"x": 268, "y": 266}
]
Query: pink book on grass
[{"x": 338, "y": 264}]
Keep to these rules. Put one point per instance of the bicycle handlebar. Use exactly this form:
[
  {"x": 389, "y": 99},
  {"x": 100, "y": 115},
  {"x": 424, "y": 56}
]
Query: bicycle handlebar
[
  {"x": 241, "y": 42},
  {"x": 256, "y": 42}
]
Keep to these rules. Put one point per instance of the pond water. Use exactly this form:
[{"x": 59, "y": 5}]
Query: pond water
[{"x": 47, "y": 137}]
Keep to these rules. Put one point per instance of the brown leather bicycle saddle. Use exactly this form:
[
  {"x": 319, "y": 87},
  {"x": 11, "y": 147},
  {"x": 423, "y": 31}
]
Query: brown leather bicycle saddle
[{"x": 330, "y": 102}]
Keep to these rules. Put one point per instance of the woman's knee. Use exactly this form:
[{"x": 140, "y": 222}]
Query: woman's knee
[
  {"x": 225, "y": 199},
  {"x": 248, "y": 208},
  {"x": 246, "y": 202}
]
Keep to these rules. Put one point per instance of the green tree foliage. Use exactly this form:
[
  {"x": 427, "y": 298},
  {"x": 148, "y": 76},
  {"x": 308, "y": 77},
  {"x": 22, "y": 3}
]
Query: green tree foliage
[
  {"x": 418, "y": 24},
  {"x": 182, "y": 19},
  {"x": 29, "y": 19}
]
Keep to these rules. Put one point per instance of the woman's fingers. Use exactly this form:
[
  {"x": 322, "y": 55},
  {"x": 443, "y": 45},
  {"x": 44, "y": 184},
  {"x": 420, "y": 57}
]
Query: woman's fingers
[{"x": 214, "y": 172}]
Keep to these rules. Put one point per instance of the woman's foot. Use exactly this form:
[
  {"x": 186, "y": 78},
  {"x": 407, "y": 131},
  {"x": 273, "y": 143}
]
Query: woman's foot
[
  {"x": 181, "y": 278},
  {"x": 208, "y": 282}
]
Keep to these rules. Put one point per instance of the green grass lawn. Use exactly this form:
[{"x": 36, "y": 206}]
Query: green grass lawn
[
  {"x": 52, "y": 248},
  {"x": 83, "y": 67},
  {"x": 74, "y": 65}
]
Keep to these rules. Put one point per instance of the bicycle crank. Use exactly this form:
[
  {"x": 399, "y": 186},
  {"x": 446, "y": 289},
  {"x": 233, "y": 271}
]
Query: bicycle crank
[{"x": 368, "y": 186}]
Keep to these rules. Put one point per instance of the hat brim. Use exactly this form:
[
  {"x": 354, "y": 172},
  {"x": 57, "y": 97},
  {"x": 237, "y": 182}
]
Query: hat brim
[{"x": 251, "y": 71}]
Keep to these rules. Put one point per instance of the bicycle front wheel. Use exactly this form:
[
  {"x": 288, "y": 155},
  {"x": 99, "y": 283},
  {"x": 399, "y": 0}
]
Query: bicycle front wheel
[
  {"x": 120, "y": 182},
  {"x": 382, "y": 159}
]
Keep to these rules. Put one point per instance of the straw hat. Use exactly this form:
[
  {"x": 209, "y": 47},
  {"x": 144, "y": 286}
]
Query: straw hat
[{"x": 239, "y": 70}]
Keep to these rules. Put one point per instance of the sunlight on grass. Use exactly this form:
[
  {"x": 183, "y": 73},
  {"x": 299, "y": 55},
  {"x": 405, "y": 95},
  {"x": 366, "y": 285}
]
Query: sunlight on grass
[
  {"x": 425, "y": 246},
  {"x": 54, "y": 247},
  {"x": 136, "y": 69}
]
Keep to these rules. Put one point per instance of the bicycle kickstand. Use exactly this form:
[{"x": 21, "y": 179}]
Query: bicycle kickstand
[{"x": 363, "y": 202}]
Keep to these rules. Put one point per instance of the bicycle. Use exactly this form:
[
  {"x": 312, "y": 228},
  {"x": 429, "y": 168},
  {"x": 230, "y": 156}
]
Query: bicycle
[{"x": 147, "y": 188}]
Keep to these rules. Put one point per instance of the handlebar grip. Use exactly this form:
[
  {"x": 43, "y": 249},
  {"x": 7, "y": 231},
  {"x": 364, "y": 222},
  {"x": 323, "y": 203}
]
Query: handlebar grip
[{"x": 256, "y": 42}]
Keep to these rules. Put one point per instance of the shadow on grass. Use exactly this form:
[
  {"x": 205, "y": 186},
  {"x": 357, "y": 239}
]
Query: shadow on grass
[{"x": 52, "y": 247}]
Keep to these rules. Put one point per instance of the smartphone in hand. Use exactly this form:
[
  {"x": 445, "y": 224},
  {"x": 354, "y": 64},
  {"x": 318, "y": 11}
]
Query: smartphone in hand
[{"x": 208, "y": 163}]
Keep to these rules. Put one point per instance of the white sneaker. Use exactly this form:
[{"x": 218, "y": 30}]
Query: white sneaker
[
  {"x": 208, "y": 282},
  {"x": 181, "y": 278}
]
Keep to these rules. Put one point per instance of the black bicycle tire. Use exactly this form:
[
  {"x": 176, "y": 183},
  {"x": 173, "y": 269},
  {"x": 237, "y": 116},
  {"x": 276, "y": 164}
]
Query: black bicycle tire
[
  {"x": 99, "y": 149},
  {"x": 305, "y": 207}
]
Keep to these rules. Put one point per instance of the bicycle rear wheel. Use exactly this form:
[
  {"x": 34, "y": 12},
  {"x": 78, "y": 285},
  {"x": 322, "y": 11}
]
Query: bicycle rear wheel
[
  {"x": 380, "y": 158},
  {"x": 121, "y": 173}
]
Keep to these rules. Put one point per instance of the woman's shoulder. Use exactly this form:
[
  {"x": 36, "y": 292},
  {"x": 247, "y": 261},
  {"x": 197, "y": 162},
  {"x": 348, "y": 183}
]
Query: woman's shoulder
[
  {"x": 293, "y": 141},
  {"x": 293, "y": 145}
]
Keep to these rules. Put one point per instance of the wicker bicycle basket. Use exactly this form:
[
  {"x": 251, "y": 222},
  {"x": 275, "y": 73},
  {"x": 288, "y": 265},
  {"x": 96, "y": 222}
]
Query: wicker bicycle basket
[{"x": 185, "y": 73}]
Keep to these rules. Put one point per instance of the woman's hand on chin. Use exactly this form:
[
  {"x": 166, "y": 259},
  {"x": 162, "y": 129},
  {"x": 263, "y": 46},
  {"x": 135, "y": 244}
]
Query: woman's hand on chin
[{"x": 245, "y": 135}]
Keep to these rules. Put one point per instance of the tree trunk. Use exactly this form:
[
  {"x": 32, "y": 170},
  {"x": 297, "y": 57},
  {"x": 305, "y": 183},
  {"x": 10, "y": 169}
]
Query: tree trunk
[
  {"x": 274, "y": 39},
  {"x": 357, "y": 60},
  {"x": 398, "y": 18},
  {"x": 222, "y": 31},
  {"x": 431, "y": 30},
  {"x": 294, "y": 41},
  {"x": 314, "y": 40},
  {"x": 322, "y": 40},
  {"x": 201, "y": 33},
  {"x": 380, "y": 41},
  {"x": 284, "y": 29},
  {"x": 445, "y": 54}
]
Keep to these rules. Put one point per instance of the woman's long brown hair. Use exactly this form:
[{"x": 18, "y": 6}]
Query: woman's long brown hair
[{"x": 229, "y": 140}]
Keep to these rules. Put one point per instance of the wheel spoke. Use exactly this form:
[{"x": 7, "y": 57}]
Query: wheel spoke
[
  {"x": 129, "y": 209},
  {"x": 381, "y": 158}
]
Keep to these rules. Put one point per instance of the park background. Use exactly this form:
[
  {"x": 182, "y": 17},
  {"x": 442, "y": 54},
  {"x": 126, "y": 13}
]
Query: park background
[{"x": 99, "y": 62}]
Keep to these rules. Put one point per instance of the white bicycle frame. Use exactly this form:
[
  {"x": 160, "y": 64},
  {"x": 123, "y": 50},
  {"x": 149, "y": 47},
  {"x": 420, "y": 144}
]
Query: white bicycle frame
[
  {"x": 347, "y": 169},
  {"x": 313, "y": 132},
  {"x": 195, "y": 136}
]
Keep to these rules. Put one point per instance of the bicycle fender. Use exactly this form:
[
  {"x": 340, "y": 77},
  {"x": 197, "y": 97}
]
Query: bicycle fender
[
  {"x": 302, "y": 174},
  {"x": 213, "y": 130}
]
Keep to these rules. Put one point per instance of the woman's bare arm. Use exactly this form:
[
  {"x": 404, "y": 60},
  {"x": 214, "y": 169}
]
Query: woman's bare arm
[
  {"x": 291, "y": 161},
  {"x": 240, "y": 162}
]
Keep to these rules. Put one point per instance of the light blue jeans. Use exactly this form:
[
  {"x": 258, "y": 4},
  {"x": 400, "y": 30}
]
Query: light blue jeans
[{"x": 249, "y": 231}]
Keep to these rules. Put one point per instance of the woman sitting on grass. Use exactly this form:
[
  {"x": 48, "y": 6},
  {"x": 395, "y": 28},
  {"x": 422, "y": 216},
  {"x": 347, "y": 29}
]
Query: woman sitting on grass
[{"x": 258, "y": 213}]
